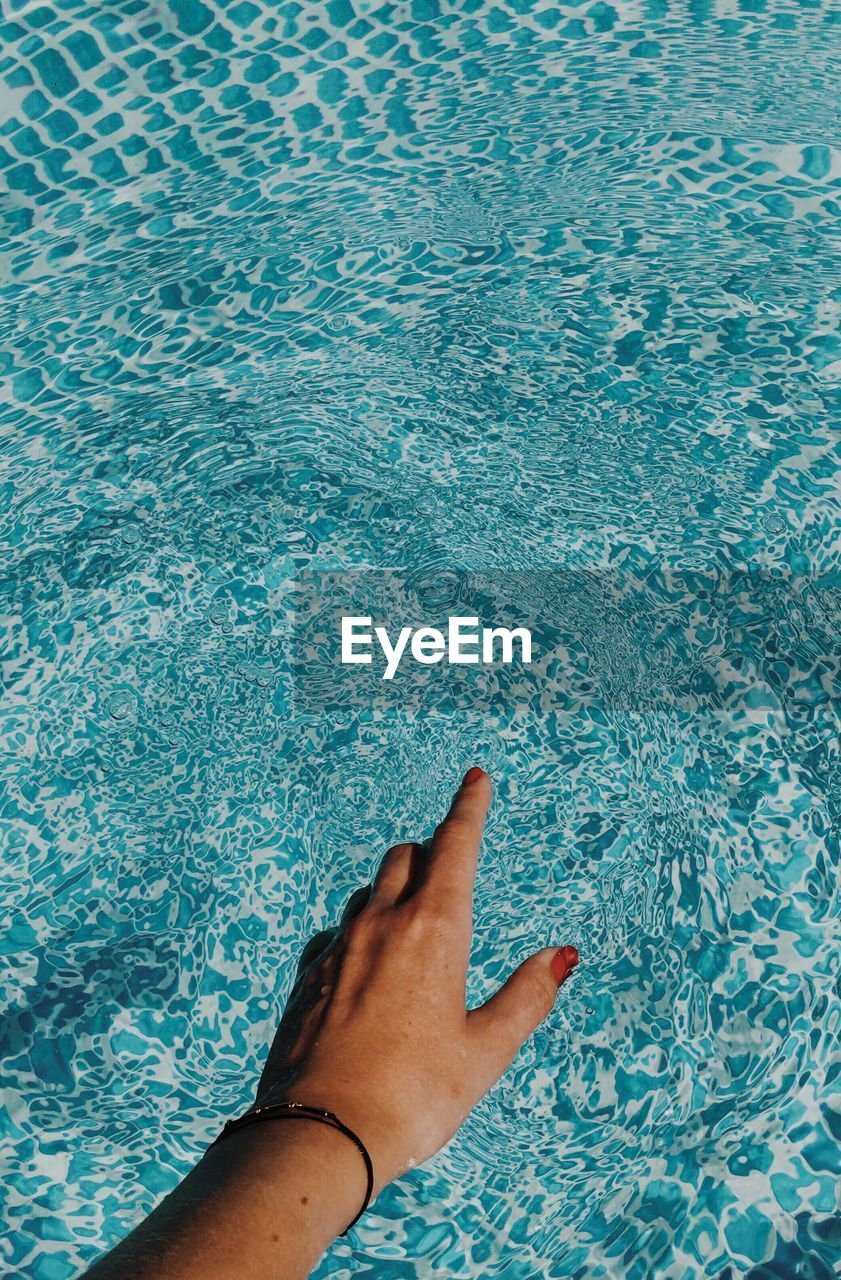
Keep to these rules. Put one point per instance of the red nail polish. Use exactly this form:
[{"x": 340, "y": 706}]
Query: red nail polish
[
  {"x": 471, "y": 775},
  {"x": 563, "y": 962}
]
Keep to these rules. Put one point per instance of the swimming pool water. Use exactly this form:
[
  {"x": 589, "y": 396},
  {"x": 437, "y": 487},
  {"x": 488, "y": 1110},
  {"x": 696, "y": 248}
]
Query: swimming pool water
[{"x": 291, "y": 291}]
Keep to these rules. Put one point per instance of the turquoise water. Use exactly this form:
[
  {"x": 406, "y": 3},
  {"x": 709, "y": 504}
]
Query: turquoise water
[{"x": 546, "y": 294}]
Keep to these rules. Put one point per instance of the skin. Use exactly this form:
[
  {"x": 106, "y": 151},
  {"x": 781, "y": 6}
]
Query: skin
[{"x": 376, "y": 1029}]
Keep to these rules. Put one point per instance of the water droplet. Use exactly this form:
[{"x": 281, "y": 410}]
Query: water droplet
[
  {"x": 773, "y": 523},
  {"x": 119, "y": 705},
  {"x": 218, "y": 614}
]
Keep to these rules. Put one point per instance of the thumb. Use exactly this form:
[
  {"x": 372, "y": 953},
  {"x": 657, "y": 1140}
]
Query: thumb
[{"x": 502, "y": 1024}]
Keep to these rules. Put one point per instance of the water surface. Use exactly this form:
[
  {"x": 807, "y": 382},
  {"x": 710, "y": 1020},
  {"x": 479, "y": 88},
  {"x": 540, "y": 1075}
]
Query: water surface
[{"x": 550, "y": 294}]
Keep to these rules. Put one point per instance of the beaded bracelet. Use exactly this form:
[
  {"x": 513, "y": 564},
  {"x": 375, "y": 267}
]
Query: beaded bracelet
[{"x": 300, "y": 1111}]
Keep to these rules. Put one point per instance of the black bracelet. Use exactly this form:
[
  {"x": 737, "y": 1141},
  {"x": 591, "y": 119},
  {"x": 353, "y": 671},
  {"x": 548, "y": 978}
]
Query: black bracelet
[{"x": 300, "y": 1110}]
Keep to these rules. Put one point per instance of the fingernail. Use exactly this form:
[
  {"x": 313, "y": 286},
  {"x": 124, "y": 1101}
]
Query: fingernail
[
  {"x": 472, "y": 775},
  {"x": 563, "y": 963}
]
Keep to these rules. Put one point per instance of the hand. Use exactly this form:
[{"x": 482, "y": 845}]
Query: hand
[{"x": 376, "y": 1027}]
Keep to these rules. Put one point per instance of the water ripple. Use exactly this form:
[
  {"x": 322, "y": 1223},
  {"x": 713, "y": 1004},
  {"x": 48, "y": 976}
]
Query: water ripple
[{"x": 534, "y": 307}]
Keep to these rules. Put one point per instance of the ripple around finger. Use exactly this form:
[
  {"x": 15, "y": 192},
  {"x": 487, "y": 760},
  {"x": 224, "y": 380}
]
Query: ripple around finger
[{"x": 536, "y": 308}]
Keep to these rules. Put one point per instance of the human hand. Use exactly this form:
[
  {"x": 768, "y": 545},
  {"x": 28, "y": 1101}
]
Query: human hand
[{"x": 376, "y": 1027}]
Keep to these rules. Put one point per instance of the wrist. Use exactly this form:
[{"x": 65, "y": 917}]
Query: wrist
[
  {"x": 264, "y": 1204},
  {"x": 301, "y": 1169},
  {"x": 370, "y": 1124}
]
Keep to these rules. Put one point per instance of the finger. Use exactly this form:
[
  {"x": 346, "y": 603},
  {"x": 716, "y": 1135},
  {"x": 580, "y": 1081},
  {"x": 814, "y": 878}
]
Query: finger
[
  {"x": 321, "y": 940},
  {"x": 357, "y": 902},
  {"x": 503, "y": 1023},
  {"x": 455, "y": 848},
  {"x": 399, "y": 876}
]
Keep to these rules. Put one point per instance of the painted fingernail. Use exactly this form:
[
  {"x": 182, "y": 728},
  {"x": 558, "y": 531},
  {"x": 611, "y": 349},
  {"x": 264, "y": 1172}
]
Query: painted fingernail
[
  {"x": 472, "y": 775},
  {"x": 563, "y": 963}
]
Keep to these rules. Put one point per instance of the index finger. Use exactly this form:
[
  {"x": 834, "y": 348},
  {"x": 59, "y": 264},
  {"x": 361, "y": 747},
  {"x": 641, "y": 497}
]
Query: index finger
[{"x": 454, "y": 855}]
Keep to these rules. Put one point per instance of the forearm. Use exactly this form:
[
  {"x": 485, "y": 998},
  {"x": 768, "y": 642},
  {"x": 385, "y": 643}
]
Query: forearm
[{"x": 262, "y": 1205}]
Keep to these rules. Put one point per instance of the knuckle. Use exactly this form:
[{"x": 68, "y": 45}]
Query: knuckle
[
  {"x": 401, "y": 850},
  {"x": 393, "y": 856},
  {"x": 413, "y": 914},
  {"x": 417, "y": 918},
  {"x": 358, "y": 933},
  {"x": 425, "y": 922},
  {"x": 457, "y": 824}
]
